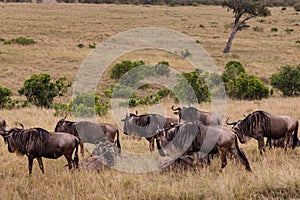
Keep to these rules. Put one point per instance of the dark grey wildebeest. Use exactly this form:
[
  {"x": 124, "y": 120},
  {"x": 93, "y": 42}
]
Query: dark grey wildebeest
[
  {"x": 146, "y": 126},
  {"x": 89, "y": 132},
  {"x": 191, "y": 114},
  {"x": 194, "y": 136},
  {"x": 260, "y": 124},
  {"x": 38, "y": 143}
]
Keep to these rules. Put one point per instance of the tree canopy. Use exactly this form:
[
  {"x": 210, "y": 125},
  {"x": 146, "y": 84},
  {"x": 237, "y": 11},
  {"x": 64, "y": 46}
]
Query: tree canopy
[{"x": 243, "y": 10}]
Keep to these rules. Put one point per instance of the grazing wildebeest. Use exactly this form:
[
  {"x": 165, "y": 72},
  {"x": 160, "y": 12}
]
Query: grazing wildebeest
[
  {"x": 194, "y": 136},
  {"x": 260, "y": 124},
  {"x": 38, "y": 143},
  {"x": 146, "y": 125},
  {"x": 280, "y": 142},
  {"x": 89, "y": 132},
  {"x": 191, "y": 113}
]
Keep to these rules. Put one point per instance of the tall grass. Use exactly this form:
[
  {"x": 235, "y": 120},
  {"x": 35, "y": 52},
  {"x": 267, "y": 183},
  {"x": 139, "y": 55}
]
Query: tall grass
[{"x": 275, "y": 176}]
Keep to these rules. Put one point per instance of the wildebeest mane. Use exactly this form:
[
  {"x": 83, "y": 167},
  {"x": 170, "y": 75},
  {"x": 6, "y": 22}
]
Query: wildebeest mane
[
  {"x": 254, "y": 120},
  {"x": 24, "y": 139},
  {"x": 144, "y": 120}
]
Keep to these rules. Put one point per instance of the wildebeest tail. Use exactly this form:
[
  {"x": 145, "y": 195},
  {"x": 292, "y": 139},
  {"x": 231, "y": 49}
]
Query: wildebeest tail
[
  {"x": 242, "y": 155},
  {"x": 76, "y": 158},
  {"x": 295, "y": 139},
  {"x": 118, "y": 140}
]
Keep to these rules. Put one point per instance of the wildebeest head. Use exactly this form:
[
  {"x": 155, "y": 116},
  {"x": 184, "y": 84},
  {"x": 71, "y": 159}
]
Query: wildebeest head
[
  {"x": 238, "y": 130},
  {"x": 64, "y": 126},
  {"x": 136, "y": 124}
]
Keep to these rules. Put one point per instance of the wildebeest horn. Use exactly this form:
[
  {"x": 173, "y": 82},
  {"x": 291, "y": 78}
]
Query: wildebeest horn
[
  {"x": 65, "y": 117},
  {"x": 21, "y": 125},
  {"x": 4, "y": 132},
  {"x": 230, "y": 123},
  {"x": 136, "y": 112},
  {"x": 175, "y": 109}
]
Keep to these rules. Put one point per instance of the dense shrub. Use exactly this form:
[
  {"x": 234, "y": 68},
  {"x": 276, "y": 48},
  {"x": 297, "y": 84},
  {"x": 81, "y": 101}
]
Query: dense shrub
[
  {"x": 5, "y": 97},
  {"x": 119, "y": 69},
  {"x": 240, "y": 85},
  {"x": 40, "y": 90},
  {"x": 287, "y": 80},
  {"x": 20, "y": 40},
  {"x": 150, "y": 99},
  {"x": 87, "y": 104},
  {"x": 199, "y": 92}
]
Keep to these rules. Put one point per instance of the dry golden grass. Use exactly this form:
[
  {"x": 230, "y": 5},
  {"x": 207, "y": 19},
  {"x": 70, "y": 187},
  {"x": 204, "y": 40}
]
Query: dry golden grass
[
  {"x": 58, "y": 28},
  {"x": 275, "y": 176}
]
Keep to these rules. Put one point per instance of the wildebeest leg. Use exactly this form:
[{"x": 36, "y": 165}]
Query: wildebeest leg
[
  {"x": 223, "y": 157},
  {"x": 196, "y": 158},
  {"x": 40, "y": 161},
  {"x": 30, "y": 162},
  {"x": 151, "y": 144},
  {"x": 269, "y": 143},
  {"x": 286, "y": 141},
  {"x": 261, "y": 145},
  {"x": 69, "y": 159},
  {"x": 81, "y": 148}
]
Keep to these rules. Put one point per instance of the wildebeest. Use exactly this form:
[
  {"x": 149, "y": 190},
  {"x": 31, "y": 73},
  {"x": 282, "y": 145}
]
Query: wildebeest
[
  {"x": 191, "y": 113},
  {"x": 38, "y": 143},
  {"x": 194, "y": 136},
  {"x": 146, "y": 126},
  {"x": 260, "y": 124},
  {"x": 89, "y": 132},
  {"x": 280, "y": 142}
]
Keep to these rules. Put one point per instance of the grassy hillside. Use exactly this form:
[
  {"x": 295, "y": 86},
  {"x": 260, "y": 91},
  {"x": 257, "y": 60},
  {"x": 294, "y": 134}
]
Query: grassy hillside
[{"x": 59, "y": 28}]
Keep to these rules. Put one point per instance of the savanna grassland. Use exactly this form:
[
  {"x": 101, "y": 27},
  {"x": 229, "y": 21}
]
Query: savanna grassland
[{"x": 59, "y": 28}]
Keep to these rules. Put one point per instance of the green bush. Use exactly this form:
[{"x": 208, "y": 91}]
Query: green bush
[
  {"x": 87, "y": 104},
  {"x": 162, "y": 68},
  {"x": 5, "y": 96},
  {"x": 92, "y": 46},
  {"x": 289, "y": 30},
  {"x": 20, "y": 40},
  {"x": 196, "y": 81},
  {"x": 40, "y": 90},
  {"x": 257, "y": 29},
  {"x": 287, "y": 80},
  {"x": 232, "y": 70},
  {"x": 274, "y": 29},
  {"x": 80, "y": 45},
  {"x": 296, "y": 6},
  {"x": 240, "y": 85},
  {"x": 62, "y": 109},
  {"x": 119, "y": 69},
  {"x": 121, "y": 91}
]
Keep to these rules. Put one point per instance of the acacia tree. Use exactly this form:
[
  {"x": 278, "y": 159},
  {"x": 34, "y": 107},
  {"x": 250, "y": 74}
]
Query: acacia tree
[{"x": 243, "y": 10}]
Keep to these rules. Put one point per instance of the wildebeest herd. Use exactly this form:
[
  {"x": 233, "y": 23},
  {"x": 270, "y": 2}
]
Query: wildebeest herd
[{"x": 194, "y": 133}]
